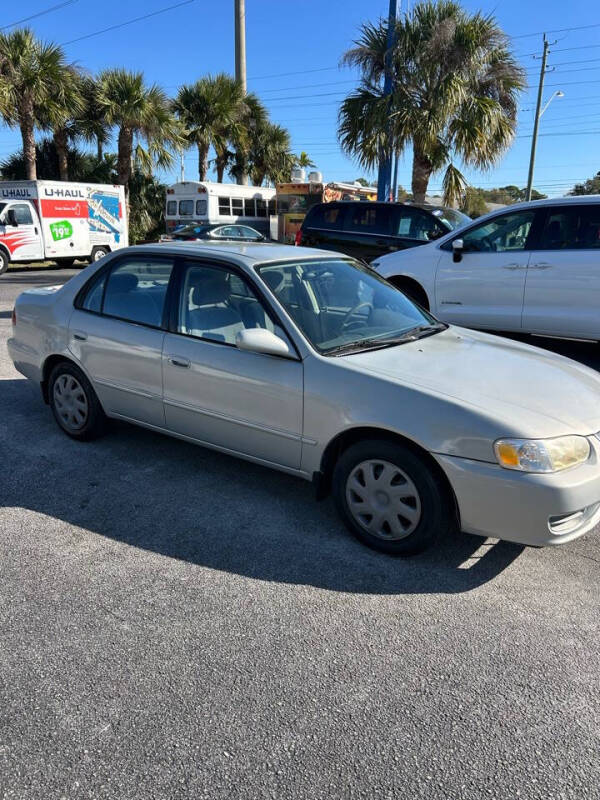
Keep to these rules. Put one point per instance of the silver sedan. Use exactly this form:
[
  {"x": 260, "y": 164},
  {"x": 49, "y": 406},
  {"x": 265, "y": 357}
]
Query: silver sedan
[{"x": 308, "y": 362}]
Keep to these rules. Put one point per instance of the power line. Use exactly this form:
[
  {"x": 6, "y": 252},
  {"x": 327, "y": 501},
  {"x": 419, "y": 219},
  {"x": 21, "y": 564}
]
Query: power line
[
  {"x": 285, "y": 74},
  {"x": 39, "y": 14},
  {"x": 557, "y": 30},
  {"x": 129, "y": 22}
]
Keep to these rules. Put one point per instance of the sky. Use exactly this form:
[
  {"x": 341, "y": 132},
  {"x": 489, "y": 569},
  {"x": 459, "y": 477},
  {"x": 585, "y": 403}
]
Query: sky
[{"x": 293, "y": 54}]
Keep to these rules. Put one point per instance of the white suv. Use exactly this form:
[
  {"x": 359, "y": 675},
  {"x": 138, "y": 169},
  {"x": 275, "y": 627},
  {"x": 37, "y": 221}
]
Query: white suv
[{"x": 531, "y": 267}]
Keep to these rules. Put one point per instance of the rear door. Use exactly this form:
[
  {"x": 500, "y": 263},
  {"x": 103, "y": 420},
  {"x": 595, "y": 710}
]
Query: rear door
[
  {"x": 485, "y": 288},
  {"x": 562, "y": 291},
  {"x": 116, "y": 332}
]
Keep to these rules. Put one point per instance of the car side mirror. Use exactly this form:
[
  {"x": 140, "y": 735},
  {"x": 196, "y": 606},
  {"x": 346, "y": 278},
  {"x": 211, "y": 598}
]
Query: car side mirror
[
  {"x": 12, "y": 218},
  {"x": 458, "y": 248},
  {"x": 260, "y": 340}
]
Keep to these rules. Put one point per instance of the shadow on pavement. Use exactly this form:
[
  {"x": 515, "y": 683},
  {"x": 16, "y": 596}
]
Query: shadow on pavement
[{"x": 186, "y": 502}]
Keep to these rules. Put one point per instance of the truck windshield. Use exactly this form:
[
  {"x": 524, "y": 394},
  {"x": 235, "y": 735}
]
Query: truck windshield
[
  {"x": 2, "y": 207},
  {"x": 343, "y": 307}
]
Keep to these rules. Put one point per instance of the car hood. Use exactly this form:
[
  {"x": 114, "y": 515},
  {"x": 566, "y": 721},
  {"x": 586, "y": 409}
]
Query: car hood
[{"x": 529, "y": 390}]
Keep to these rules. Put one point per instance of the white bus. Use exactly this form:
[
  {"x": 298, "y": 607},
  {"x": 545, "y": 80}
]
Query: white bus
[{"x": 204, "y": 201}]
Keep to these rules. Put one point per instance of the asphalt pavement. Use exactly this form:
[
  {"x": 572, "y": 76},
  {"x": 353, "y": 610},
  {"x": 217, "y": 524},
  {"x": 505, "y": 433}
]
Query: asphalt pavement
[{"x": 175, "y": 623}]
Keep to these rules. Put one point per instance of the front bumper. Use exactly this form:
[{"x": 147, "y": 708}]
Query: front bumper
[{"x": 523, "y": 507}]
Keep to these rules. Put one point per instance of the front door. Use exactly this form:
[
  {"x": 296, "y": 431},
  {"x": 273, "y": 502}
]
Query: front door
[
  {"x": 246, "y": 403},
  {"x": 116, "y": 334},
  {"x": 485, "y": 288},
  {"x": 23, "y": 240},
  {"x": 562, "y": 293}
]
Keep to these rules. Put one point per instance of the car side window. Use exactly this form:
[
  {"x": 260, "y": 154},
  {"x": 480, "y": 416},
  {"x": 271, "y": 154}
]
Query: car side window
[
  {"x": 22, "y": 214},
  {"x": 217, "y": 303},
  {"x": 92, "y": 300},
  {"x": 249, "y": 233},
  {"x": 326, "y": 216},
  {"x": 136, "y": 290},
  {"x": 575, "y": 227},
  {"x": 369, "y": 218},
  {"x": 416, "y": 224},
  {"x": 505, "y": 232}
]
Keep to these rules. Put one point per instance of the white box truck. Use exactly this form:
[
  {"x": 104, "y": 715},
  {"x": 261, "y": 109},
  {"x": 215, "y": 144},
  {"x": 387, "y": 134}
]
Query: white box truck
[{"x": 60, "y": 221}]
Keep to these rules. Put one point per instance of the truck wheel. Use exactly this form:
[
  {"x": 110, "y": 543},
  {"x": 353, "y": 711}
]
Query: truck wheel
[
  {"x": 64, "y": 262},
  {"x": 98, "y": 253},
  {"x": 3, "y": 261}
]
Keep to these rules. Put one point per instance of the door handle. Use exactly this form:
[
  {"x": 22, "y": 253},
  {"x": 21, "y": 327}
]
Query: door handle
[
  {"x": 541, "y": 265},
  {"x": 81, "y": 337},
  {"x": 514, "y": 266},
  {"x": 177, "y": 361}
]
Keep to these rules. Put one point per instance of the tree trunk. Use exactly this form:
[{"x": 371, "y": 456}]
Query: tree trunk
[
  {"x": 202, "y": 161},
  {"x": 62, "y": 146},
  {"x": 125, "y": 149},
  {"x": 27, "y": 123},
  {"x": 221, "y": 161},
  {"x": 421, "y": 172},
  {"x": 99, "y": 149}
]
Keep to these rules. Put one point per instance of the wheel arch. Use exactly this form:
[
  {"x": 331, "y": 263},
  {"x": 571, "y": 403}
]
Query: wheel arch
[
  {"x": 5, "y": 250},
  {"x": 342, "y": 441},
  {"x": 50, "y": 362},
  {"x": 405, "y": 282}
]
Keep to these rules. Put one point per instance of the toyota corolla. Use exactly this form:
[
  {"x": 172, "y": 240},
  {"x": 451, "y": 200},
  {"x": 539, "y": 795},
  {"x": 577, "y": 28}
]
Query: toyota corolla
[{"x": 310, "y": 363}]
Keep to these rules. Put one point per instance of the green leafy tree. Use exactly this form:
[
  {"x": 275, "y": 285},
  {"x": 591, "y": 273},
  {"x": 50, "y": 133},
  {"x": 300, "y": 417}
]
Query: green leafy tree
[
  {"x": 455, "y": 91},
  {"x": 37, "y": 88},
  {"x": 82, "y": 166},
  {"x": 147, "y": 207},
  {"x": 473, "y": 203},
  {"x": 304, "y": 160},
  {"x": 147, "y": 129},
  {"x": 91, "y": 122},
  {"x": 213, "y": 111},
  {"x": 269, "y": 155},
  {"x": 591, "y": 186}
]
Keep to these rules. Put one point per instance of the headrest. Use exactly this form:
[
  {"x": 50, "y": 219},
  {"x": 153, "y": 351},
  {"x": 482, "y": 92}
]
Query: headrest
[
  {"x": 273, "y": 278},
  {"x": 211, "y": 287},
  {"x": 122, "y": 282}
]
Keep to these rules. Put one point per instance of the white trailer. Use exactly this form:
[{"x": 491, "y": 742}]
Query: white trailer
[
  {"x": 60, "y": 221},
  {"x": 227, "y": 203}
]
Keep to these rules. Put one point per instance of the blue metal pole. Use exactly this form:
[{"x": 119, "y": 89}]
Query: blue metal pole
[
  {"x": 384, "y": 176},
  {"x": 395, "y": 181}
]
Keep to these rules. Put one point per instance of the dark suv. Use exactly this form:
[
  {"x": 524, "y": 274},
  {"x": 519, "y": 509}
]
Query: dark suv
[{"x": 366, "y": 230}]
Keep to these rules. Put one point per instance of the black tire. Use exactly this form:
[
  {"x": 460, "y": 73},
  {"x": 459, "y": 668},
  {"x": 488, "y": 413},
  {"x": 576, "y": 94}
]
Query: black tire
[
  {"x": 91, "y": 424},
  {"x": 64, "y": 262},
  {"x": 431, "y": 507},
  {"x": 98, "y": 253},
  {"x": 4, "y": 261}
]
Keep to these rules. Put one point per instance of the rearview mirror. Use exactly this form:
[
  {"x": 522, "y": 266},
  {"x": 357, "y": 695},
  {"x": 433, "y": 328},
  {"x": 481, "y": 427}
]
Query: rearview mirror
[
  {"x": 458, "y": 247},
  {"x": 12, "y": 218},
  {"x": 260, "y": 340}
]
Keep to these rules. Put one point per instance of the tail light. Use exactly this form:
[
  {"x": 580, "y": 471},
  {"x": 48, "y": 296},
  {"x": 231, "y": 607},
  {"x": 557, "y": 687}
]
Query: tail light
[
  {"x": 13, "y": 318},
  {"x": 298, "y": 239}
]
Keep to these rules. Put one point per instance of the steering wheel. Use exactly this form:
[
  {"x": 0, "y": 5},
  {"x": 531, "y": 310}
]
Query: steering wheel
[{"x": 347, "y": 322}]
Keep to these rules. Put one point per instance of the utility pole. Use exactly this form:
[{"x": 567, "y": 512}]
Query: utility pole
[
  {"x": 240, "y": 55},
  {"x": 536, "y": 123},
  {"x": 384, "y": 175}
]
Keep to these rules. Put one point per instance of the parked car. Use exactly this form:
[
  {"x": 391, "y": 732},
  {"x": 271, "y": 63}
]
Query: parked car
[
  {"x": 368, "y": 230},
  {"x": 530, "y": 268},
  {"x": 309, "y": 362},
  {"x": 209, "y": 232}
]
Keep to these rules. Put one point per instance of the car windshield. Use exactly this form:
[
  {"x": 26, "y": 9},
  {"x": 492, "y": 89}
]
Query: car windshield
[
  {"x": 451, "y": 219},
  {"x": 342, "y": 306},
  {"x": 192, "y": 230}
]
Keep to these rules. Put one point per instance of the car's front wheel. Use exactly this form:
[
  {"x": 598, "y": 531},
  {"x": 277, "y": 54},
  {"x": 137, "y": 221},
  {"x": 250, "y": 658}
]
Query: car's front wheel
[
  {"x": 74, "y": 403},
  {"x": 391, "y": 498}
]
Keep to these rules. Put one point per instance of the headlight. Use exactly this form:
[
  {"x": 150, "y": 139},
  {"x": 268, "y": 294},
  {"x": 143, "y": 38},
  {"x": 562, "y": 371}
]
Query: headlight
[{"x": 542, "y": 455}]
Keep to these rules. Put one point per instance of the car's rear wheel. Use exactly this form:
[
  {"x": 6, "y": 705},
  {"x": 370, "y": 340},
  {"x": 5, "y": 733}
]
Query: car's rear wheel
[
  {"x": 74, "y": 403},
  {"x": 98, "y": 253},
  {"x": 391, "y": 498}
]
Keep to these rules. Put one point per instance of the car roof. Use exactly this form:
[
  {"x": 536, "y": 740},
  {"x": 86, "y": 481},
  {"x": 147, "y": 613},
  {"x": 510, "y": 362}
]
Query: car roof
[{"x": 250, "y": 253}]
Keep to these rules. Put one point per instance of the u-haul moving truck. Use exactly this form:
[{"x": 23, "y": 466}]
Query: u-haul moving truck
[{"x": 60, "y": 221}]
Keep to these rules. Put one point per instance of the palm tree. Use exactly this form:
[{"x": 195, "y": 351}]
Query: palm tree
[
  {"x": 91, "y": 123},
  {"x": 303, "y": 160},
  {"x": 35, "y": 86},
  {"x": 270, "y": 156},
  {"x": 455, "y": 91},
  {"x": 213, "y": 111},
  {"x": 142, "y": 114}
]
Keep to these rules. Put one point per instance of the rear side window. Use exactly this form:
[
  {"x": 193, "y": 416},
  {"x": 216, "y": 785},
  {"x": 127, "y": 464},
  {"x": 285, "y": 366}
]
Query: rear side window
[
  {"x": 134, "y": 290},
  {"x": 237, "y": 206},
  {"x": 417, "y": 224},
  {"x": 368, "y": 218},
  {"x": 326, "y": 216},
  {"x": 225, "y": 206},
  {"x": 572, "y": 228},
  {"x": 249, "y": 207}
]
